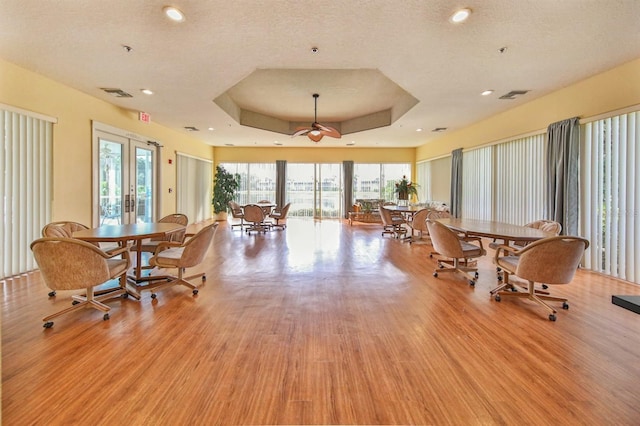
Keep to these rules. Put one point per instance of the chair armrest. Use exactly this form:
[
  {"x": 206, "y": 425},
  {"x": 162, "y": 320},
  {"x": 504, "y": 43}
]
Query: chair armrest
[
  {"x": 166, "y": 245},
  {"x": 116, "y": 252},
  {"x": 507, "y": 251}
]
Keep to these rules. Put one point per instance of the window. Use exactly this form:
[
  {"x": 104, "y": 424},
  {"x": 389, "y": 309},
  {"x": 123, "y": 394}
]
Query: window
[
  {"x": 477, "y": 184},
  {"x": 25, "y": 187},
  {"x": 610, "y": 195},
  {"x": 378, "y": 180},
  {"x": 434, "y": 180},
  {"x": 257, "y": 181}
]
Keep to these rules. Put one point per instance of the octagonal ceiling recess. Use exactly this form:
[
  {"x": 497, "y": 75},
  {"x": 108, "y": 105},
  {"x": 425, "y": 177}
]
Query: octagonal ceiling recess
[{"x": 351, "y": 100}]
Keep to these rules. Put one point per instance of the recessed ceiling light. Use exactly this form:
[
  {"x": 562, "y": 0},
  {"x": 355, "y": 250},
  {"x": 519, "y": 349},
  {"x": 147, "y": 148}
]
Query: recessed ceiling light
[
  {"x": 277, "y": 143},
  {"x": 487, "y": 92},
  {"x": 147, "y": 91},
  {"x": 419, "y": 129},
  {"x": 174, "y": 14},
  {"x": 460, "y": 15},
  {"x": 211, "y": 129},
  {"x": 352, "y": 143}
]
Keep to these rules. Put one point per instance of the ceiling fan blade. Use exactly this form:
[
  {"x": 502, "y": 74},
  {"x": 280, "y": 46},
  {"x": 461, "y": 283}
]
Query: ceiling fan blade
[
  {"x": 301, "y": 131},
  {"x": 330, "y": 131}
]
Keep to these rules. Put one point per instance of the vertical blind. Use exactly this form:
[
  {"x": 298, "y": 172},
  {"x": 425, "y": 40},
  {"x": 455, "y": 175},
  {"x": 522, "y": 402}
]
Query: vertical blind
[
  {"x": 25, "y": 187},
  {"x": 423, "y": 178},
  {"x": 477, "y": 184},
  {"x": 519, "y": 180},
  {"x": 610, "y": 195},
  {"x": 193, "y": 187}
]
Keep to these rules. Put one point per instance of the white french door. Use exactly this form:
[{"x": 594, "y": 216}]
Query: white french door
[
  {"x": 315, "y": 190},
  {"x": 124, "y": 183}
]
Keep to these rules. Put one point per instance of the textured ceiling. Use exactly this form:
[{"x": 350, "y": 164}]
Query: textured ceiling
[{"x": 550, "y": 44}]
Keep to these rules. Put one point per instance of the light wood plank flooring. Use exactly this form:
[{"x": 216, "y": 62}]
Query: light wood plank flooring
[{"x": 322, "y": 323}]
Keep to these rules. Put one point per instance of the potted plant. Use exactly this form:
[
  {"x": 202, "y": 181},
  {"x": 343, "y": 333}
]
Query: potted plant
[
  {"x": 404, "y": 189},
  {"x": 225, "y": 185}
]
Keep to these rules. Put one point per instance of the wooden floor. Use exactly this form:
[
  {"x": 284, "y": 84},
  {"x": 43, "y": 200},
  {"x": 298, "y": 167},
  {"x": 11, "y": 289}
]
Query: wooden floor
[{"x": 323, "y": 323}]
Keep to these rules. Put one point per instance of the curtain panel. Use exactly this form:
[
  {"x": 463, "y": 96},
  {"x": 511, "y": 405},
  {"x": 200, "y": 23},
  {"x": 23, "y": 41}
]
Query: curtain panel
[
  {"x": 347, "y": 187},
  {"x": 456, "y": 182},
  {"x": 281, "y": 183},
  {"x": 194, "y": 181},
  {"x": 563, "y": 147}
]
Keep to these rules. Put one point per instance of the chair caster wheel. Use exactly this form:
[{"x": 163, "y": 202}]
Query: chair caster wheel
[
  {"x": 497, "y": 297},
  {"x": 431, "y": 256},
  {"x": 544, "y": 286},
  {"x": 48, "y": 324},
  {"x": 472, "y": 283},
  {"x": 498, "y": 269},
  {"x": 153, "y": 295},
  {"x": 125, "y": 296},
  {"x": 435, "y": 274},
  {"x": 195, "y": 291},
  {"x": 75, "y": 302},
  {"x": 499, "y": 277},
  {"x": 477, "y": 275},
  {"x": 105, "y": 317},
  {"x": 204, "y": 278},
  {"x": 440, "y": 265},
  {"x": 565, "y": 305},
  {"x": 52, "y": 294},
  {"x": 552, "y": 317}
]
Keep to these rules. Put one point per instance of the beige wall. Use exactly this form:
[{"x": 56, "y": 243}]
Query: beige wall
[
  {"x": 612, "y": 90},
  {"x": 72, "y": 142}
]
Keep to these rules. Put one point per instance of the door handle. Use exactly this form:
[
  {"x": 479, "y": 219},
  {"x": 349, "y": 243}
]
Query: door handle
[
  {"x": 132, "y": 204},
  {"x": 126, "y": 204}
]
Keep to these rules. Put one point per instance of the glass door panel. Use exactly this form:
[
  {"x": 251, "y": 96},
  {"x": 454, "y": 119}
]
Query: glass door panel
[
  {"x": 329, "y": 194},
  {"x": 111, "y": 184},
  {"x": 142, "y": 200}
]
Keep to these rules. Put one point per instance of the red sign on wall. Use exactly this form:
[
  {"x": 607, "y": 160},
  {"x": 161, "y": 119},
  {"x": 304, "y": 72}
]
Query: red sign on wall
[{"x": 144, "y": 117}]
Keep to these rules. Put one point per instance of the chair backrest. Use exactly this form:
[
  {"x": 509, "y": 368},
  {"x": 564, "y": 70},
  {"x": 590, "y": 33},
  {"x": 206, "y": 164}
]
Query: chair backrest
[
  {"x": 438, "y": 214},
  {"x": 285, "y": 211},
  {"x": 69, "y": 263},
  {"x": 236, "y": 210},
  {"x": 180, "y": 219},
  {"x": 420, "y": 220},
  {"x": 552, "y": 260},
  {"x": 444, "y": 240},
  {"x": 64, "y": 229},
  {"x": 253, "y": 213},
  {"x": 385, "y": 215},
  {"x": 265, "y": 201},
  {"x": 546, "y": 225},
  {"x": 196, "y": 247}
]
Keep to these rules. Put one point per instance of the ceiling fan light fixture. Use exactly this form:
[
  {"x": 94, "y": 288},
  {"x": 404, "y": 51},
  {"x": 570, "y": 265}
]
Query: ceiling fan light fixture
[{"x": 316, "y": 131}]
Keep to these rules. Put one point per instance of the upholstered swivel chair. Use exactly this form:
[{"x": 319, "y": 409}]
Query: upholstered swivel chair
[
  {"x": 62, "y": 229},
  {"x": 434, "y": 215},
  {"x": 280, "y": 214},
  {"x": 449, "y": 244},
  {"x": 72, "y": 264},
  {"x": 543, "y": 225},
  {"x": 552, "y": 260},
  {"x": 418, "y": 225},
  {"x": 236, "y": 213},
  {"x": 254, "y": 216},
  {"x": 391, "y": 224},
  {"x": 180, "y": 256}
]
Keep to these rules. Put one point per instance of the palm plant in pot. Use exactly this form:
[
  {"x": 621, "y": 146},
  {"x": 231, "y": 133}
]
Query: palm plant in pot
[
  {"x": 405, "y": 189},
  {"x": 225, "y": 185}
]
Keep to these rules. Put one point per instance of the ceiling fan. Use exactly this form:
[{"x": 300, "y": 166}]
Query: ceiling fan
[{"x": 317, "y": 130}]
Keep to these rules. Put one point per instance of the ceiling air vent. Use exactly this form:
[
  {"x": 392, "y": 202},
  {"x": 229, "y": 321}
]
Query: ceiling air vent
[
  {"x": 439, "y": 129},
  {"x": 118, "y": 93},
  {"x": 512, "y": 94},
  {"x": 191, "y": 128}
]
